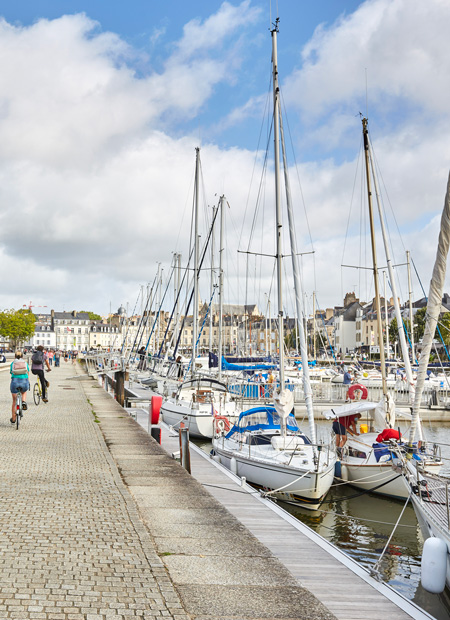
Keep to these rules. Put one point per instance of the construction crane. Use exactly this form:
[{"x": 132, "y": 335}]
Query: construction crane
[{"x": 31, "y": 305}]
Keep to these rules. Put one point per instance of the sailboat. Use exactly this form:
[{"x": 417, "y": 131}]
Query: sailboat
[
  {"x": 366, "y": 460},
  {"x": 265, "y": 445},
  {"x": 199, "y": 403},
  {"x": 430, "y": 494}
]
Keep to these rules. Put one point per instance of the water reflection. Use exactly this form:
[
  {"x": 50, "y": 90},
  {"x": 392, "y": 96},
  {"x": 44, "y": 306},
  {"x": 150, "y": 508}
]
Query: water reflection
[{"x": 361, "y": 527}]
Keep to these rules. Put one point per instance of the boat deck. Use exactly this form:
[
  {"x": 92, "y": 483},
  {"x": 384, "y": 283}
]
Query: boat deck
[{"x": 437, "y": 500}]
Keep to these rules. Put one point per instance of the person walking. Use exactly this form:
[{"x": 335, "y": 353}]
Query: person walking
[
  {"x": 57, "y": 357},
  {"x": 38, "y": 360},
  {"x": 19, "y": 370},
  {"x": 347, "y": 383}
]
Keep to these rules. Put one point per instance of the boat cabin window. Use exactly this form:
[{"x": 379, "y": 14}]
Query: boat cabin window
[{"x": 358, "y": 454}]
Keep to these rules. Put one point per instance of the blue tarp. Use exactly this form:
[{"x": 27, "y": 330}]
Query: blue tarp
[{"x": 271, "y": 423}]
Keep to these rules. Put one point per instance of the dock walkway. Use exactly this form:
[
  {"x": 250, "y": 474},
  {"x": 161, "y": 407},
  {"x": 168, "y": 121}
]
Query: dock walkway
[{"x": 99, "y": 523}]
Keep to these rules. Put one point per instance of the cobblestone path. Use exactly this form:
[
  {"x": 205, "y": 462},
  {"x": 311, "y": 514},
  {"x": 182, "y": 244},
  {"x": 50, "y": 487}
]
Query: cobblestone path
[{"x": 72, "y": 545}]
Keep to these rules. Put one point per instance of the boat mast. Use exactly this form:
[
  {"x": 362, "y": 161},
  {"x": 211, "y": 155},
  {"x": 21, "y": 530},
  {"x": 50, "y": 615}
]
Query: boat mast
[
  {"x": 411, "y": 317},
  {"x": 298, "y": 300},
  {"x": 212, "y": 286},
  {"x": 279, "y": 224},
  {"x": 196, "y": 252},
  {"x": 398, "y": 314},
  {"x": 374, "y": 258},
  {"x": 220, "y": 347}
]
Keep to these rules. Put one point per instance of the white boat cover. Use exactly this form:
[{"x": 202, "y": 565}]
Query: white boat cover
[
  {"x": 283, "y": 402},
  {"x": 349, "y": 409},
  {"x": 383, "y": 412}
]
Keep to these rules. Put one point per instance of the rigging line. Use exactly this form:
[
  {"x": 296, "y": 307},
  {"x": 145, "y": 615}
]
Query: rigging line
[
  {"x": 261, "y": 184},
  {"x": 377, "y": 563},
  {"x": 391, "y": 244},
  {"x": 388, "y": 199},
  {"x": 355, "y": 495},
  {"x": 128, "y": 319},
  {"x": 297, "y": 170},
  {"x": 349, "y": 216},
  {"x": 265, "y": 115}
]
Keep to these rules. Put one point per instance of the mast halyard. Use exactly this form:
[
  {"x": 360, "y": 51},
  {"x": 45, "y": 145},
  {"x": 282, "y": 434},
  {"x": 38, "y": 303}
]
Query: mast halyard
[
  {"x": 220, "y": 344},
  {"x": 279, "y": 223},
  {"x": 374, "y": 258},
  {"x": 196, "y": 269}
]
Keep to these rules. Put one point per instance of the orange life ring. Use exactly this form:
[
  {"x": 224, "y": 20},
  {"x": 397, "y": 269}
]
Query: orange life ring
[
  {"x": 357, "y": 387},
  {"x": 221, "y": 424}
]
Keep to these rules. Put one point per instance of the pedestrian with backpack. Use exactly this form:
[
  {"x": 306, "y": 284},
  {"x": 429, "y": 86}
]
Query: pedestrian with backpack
[
  {"x": 19, "y": 370},
  {"x": 38, "y": 359}
]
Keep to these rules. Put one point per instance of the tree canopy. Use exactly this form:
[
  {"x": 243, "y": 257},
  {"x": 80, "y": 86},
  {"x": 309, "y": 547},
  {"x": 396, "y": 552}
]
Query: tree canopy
[
  {"x": 17, "y": 325},
  {"x": 92, "y": 315}
]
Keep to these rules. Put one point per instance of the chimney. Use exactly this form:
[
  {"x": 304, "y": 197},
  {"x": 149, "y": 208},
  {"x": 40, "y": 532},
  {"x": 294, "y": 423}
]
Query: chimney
[{"x": 74, "y": 313}]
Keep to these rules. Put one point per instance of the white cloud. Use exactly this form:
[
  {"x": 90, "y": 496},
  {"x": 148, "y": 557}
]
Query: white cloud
[
  {"x": 100, "y": 185},
  {"x": 402, "y": 45}
]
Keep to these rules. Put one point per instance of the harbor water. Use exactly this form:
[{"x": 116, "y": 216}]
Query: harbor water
[{"x": 360, "y": 525}]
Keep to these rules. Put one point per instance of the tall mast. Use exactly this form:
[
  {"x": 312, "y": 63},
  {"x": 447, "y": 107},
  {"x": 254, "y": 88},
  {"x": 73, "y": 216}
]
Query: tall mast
[
  {"x": 374, "y": 258},
  {"x": 220, "y": 347},
  {"x": 307, "y": 390},
  {"x": 196, "y": 252},
  {"x": 279, "y": 224},
  {"x": 398, "y": 314},
  {"x": 212, "y": 284},
  {"x": 386, "y": 318},
  {"x": 411, "y": 317}
]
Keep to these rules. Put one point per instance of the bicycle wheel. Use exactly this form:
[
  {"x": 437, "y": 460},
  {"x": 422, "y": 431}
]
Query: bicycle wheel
[
  {"x": 36, "y": 394},
  {"x": 18, "y": 409}
]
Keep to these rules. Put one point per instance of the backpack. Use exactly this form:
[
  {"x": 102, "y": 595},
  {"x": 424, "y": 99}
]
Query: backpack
[
  {"x": 19, "y": 367},
  {"x": 37, "y": 357}
]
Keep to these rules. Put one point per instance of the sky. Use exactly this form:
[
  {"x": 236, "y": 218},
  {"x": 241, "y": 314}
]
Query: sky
[{"x": 102, "y": 105}]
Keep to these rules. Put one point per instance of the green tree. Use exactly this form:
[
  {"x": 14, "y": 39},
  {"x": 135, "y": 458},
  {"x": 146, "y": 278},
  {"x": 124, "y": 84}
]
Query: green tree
[
  {"x": 393, "y": 330},
  {"x": 444, "y": 328},
  {"x": 92, "y": 315},
  {"x": 17, "y": 325},
  {"x": 419, "y": 323}
]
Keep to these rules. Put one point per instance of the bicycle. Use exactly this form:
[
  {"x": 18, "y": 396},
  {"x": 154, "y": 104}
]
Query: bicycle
[
  {"x": 19, "y": 408},
  {"x": 37, "y": 392}
]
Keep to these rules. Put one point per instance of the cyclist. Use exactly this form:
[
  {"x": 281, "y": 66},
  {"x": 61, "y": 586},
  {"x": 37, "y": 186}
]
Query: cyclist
[
  {"x": 38, "y": 359},
  {"x": 19, "y": 370}
]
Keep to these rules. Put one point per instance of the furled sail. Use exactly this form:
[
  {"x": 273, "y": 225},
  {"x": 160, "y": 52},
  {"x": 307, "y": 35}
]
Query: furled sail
[{"x": 433, "y": 307}]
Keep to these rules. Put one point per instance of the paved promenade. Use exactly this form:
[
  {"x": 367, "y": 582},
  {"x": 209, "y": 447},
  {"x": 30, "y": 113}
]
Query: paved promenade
[{"x": 81, "y": 485}]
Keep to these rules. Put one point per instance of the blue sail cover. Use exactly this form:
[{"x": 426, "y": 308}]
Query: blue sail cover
[
  {"x": 228, "y": 366},
  {"x": 271, "y": 422}
]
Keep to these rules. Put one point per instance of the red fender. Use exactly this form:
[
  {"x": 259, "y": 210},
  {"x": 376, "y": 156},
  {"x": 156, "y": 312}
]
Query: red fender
[
  {"x": 155, "y": 409},
  {"x": 357, "y": 387}
]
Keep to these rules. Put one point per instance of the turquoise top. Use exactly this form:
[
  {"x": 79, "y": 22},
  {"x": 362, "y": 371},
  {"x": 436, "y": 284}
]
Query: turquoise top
[{"x": 19, "y": 376}]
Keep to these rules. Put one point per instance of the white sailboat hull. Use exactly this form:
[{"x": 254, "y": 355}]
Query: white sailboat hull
[
  {"x": 297, "y": 485},
  {"x": 200, "y": 424}
]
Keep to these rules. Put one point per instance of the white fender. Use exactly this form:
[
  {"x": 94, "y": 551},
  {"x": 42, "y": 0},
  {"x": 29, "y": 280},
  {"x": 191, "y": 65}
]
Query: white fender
[
  {"x": 233, "y": 466},
  {"x": 434, "y": 565}
]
